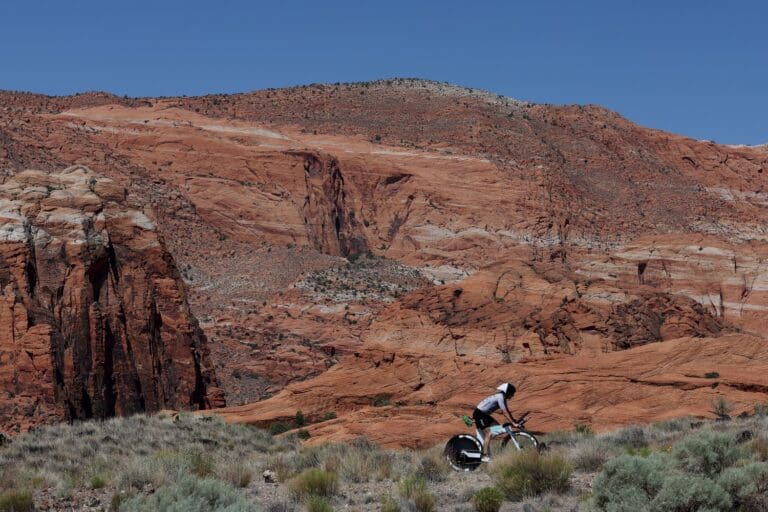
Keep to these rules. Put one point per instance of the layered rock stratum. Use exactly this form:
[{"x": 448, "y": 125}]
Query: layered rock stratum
[
  {"x": 93, "y": 316},
  {"x": 387, "y": 251}
]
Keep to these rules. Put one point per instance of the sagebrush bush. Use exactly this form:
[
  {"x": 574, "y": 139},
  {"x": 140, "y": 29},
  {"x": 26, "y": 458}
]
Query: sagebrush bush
[
  {"x": 629, "y": 437},
  {"x": 432, "y": 466},
  {"x": 628, "y": 483},
  {"x": 488, "y": 499},
  {"x": 236, "y": 473},
  {"x": 758, "y": 447},
  {"x": 414, "y": 490},
  {"x": 747, "y": 486},
  {"x": 707, "y": 453},
  {"x": 16, "y": 501},
  {"x": 357, "y": 462},
  {"x": 590, "y": 455},
  {"x": 190, "y": 494},
  {"x": 522, "y": 474},
  {"x": 684, "y": 493},
  {"x": 313, "y": 482}
]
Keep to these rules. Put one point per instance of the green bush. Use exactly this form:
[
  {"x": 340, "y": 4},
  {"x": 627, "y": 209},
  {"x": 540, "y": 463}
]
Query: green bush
[
  {"x": 488, "y": 499},
  {"x": 16, "y": 501},
  {"x": 190, "y": 494},
  {"x": 523, "y": 474},
  {"x": 707, "y": 453},
  {"x": 313, "y": 482},
  {"x": 711, "y": 375},
  {"x": 628, "y": 483},
  {"x": 97, "y": 482},
  {"x": 684, "y": 493},
  {"x": 747, "y": 486},
  {"x": 318, "y": 504}
]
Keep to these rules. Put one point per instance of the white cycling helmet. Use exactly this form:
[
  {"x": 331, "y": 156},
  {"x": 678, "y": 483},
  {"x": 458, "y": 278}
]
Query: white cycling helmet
[{"x": 508, "y": 389}]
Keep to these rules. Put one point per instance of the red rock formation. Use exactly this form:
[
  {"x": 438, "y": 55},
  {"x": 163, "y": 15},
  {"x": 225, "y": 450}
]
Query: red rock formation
[
  {"x": 93, "y": 313},
  {"x": 573, "y": 237}
]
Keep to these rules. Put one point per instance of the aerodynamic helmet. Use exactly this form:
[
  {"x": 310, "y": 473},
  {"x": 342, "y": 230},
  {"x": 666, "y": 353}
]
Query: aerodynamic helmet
[{"x": 508, "y": 389}]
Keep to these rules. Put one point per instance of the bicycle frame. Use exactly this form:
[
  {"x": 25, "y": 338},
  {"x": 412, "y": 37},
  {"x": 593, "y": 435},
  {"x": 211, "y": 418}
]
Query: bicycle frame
[{"x": 498, "y": 431}]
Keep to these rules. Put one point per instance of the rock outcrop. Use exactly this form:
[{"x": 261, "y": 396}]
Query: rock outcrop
[
  {"x": 93, "y": 315},
  {"x": 545, "y": 242}
]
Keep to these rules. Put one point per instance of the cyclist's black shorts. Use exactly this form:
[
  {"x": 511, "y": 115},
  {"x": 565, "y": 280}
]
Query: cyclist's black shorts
[{"x": 483, "y": 420}]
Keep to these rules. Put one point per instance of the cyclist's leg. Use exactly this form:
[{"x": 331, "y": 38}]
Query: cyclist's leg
[{"x": 484, "y": 422}]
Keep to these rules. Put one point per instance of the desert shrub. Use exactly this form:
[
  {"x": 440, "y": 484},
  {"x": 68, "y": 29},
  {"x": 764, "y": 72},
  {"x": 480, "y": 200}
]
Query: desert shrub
[
  {"x": 411, "y": 485},
  {"x": 414, "y": 490},
  {"x": 722, "y": 408},
  {"x": 629, "y": 437},
  {"x": 707, "y": 453},
  {"x": 589, "y": 455},
  {"x": 329, "y": 416},
  {"x": 522, "y": 474},
  {"x": 189, "y": 494},
  {"x": 761, "y": 410},
  {"x": 16, "y": 501},
  {"x": 747, "y": 486},
  {"x": 97, "y": 482},
  {"x": 759, "y": 448},
  {"x": 432, "y": 466},
  {"x": 278, "y": 427},
  {"x": 236, "y": 473},
  {"x": 423, "y": 501},
  {"x": 628, "y": 483},
  {"x": 711, "y": 375},
  {"x": 683, "y": 493},
  {"x": 488, "y": 499},
  {"x": 673, "y": 425},
  {"x": 358, "y": 461},
  {"x": 582, "y": 428},
  {"x": 389, "y": 505},
  {"x": 313, "y": 482},
  {"x": 318, "y": 504}
]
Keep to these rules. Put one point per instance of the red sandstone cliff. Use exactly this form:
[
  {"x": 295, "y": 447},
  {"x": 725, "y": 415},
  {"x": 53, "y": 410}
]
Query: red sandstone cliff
[
  {"x": 93, "y": 316},
  {"x": 560, "y": 245}
]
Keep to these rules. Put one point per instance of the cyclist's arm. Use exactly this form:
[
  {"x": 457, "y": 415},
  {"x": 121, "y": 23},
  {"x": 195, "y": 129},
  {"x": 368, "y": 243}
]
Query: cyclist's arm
[{"x": 503, "y": 407}]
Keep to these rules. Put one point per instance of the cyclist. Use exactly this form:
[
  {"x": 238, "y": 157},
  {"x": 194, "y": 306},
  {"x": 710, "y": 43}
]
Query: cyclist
[{"x": 483, "y": 418}]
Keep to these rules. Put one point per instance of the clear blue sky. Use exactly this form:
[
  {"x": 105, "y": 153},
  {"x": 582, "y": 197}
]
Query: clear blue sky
[{"x": 698, "y": 68}]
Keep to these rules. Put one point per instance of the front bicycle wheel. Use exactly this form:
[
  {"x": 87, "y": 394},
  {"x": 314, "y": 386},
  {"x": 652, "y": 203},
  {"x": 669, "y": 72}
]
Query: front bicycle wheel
[{"x": 522, "y": 441}]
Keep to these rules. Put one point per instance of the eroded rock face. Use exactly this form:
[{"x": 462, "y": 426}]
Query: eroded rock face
[{"x": 93, "y": 316}]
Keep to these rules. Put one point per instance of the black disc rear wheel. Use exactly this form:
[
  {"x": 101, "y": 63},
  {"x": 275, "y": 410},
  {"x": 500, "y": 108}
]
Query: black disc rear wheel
[{"x": 459, "y": 452}]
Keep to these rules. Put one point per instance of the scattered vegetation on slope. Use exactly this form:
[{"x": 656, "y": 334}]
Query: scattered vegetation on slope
[{"x": 189, "y": 462}]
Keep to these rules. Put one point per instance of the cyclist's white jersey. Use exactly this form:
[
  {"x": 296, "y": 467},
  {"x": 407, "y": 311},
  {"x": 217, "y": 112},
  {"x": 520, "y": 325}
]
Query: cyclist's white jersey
[{"x": 493, "y": 402}]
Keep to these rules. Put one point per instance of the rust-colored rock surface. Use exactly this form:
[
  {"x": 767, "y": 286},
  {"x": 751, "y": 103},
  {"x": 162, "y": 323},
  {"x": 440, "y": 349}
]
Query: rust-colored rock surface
[
  {"x": 93, "y": 316},
  {"x": 421, "y": 236}
]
